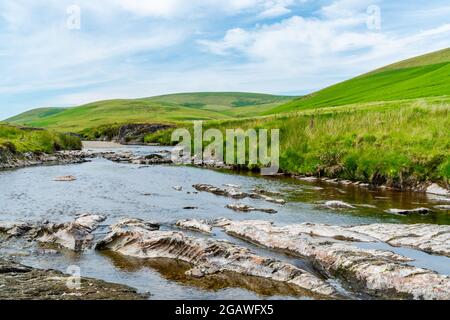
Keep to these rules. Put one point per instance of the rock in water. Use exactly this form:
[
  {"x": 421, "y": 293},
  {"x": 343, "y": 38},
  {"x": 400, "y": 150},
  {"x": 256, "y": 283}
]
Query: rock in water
[
  {"x": 207, "y": 256},
  {"x": 405, "y": 212},
  {"x": 443, "y": 207},
  {"x": 195, "y": 225},
  {"x": 434, "y": 239},
  {"x": 229, "y": 192},
  {"x": 65, "y": 179},
  {"x": 18, "y": 282},
  {"x": 237, "y": 194},
  {"x": 438, "y": 190},
  {"x": 15, "y": 229},
  {"x": 245, "y": 208},
  {"x": 75, "y": 236},
  {"x": 334, "y": 204},
  {"x": 379, "y": 273}
]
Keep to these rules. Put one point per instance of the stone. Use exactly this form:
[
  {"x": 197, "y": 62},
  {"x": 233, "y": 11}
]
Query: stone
[
  {"x": 431, "y": 238},
  {"x": 334, "y": 204},
  {"x": 246, "y": 208},
  {"x": 65, "y": 179},
  {"x": 207, "y": 256},
  {"x": 195, "y": 225},
  {"x": 438, "y": 190},
  {"x": 443, "y": 207},
  {"x": 76, "y": 236},
  {"x": 236, "y": 194},
  {"x": 15, "y": 229},
  {"x": 19, "y": 282},
  {"x": 379, "y": 273}
]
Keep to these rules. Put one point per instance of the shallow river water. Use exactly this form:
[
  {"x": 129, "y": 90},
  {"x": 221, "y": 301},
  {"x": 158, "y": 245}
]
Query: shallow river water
[{"x": 125, "y": 190}]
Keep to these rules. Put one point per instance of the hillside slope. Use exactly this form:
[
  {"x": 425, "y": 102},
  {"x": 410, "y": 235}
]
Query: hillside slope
[
  {"x": 424, "y": 76},
  {"x": 21, "y": 139},
  {"x": 176, "y": 107}
]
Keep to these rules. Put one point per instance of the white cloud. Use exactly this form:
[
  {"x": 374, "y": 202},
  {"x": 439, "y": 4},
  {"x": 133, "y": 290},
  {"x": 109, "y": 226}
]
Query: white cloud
[
  {"x": 175, "y": 8},
  {"x": 132, "y": 48},
  {"x": 338, "y": 38},
  {"x": 275, "y": 11}
]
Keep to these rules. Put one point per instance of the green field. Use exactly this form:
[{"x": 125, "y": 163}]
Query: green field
[
  {"x": 421, "y": 77},
  {"x": 169, "y": 108},
  {"x": 17, "y": 139}
]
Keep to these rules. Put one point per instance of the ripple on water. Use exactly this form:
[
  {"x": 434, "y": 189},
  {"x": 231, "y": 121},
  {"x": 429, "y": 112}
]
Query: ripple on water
[{"x": 122, "y": 190}]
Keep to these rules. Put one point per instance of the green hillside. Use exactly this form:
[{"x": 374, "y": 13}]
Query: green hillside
[
  {"x": 20, "y": 139},
  {"x": 172, "y": 108},
  {"x": 424, "y": 76}
]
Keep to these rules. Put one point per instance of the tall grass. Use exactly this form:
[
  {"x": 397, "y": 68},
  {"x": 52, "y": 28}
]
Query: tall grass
[
  {"x": 398, "y": 145},
  {"x": 30, "y": 140}
]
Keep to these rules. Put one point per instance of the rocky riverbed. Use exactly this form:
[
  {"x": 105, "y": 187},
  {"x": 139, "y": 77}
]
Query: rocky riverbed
[
  {"x": 122, "y": 218},
  {"x": 330, "y": 251}
]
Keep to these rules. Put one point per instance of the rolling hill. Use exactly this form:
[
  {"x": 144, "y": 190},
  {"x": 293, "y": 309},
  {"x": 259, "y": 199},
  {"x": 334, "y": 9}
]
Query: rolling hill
[
  {"x": 172, "y": 108},
  {"x": 420, "y": 77}
]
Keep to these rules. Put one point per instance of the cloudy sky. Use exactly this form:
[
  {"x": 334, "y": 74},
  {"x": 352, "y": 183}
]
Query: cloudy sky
[{"x": 65, "y": 53}]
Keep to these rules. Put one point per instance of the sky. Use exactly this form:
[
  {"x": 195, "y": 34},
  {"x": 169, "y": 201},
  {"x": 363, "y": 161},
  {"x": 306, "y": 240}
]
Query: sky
[{"x": 58, "y": 53}]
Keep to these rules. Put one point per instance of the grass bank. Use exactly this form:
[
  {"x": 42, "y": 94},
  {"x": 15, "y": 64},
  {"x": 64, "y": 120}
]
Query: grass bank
[
  {"x": 397, "y": 143},
  {"x": 17, "y": 139}
]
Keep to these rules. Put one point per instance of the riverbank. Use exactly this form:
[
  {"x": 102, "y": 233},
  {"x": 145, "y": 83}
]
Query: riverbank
[
  {"x": 9, "y": 160},
  {"x": 401, "y": 145},
  {"x": 23, "y": 147},
  {"x": 19, "y": 282}
]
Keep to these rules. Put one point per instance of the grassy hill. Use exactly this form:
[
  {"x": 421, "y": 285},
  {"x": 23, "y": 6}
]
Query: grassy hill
[
  {"x": 168, "y": 108},
  {"x": 424, "y": 76}
]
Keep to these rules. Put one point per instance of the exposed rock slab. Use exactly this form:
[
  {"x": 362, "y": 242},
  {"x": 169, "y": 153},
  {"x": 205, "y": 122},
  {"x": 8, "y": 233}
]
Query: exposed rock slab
[
  {"x": 443, "y": 207},
  {"x": 433, "y": 239},
  {"x": 207, "y": 256},
  {"x": 15, "y": 229},
  {"x": 129, "y": 157},
  {"x": 76, "y": 235},
  {"x": 18, "y": 282},
  {"x": 335, "y": 204},
  {"x": 236, "y": 193},
  {"x": 377, "y": 272},
  {"x": 438, "y": 190},
  {"x": 10, "y": 160},
  {"x": 195, "y": 225},
  {"x": 239, "y": 207},
  {"x": 65, "y": 178}
]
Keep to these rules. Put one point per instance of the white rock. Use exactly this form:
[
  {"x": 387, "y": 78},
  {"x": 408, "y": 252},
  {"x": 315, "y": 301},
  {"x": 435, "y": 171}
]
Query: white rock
[
  {"x": 438, "y": 190},
  {"x": 334, "y": 204}
]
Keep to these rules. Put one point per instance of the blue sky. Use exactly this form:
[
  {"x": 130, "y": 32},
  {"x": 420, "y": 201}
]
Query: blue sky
[{"x": 137, "y": 48}]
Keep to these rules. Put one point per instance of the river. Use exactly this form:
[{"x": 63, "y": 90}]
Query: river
[{"x": 125, "y": 190}]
